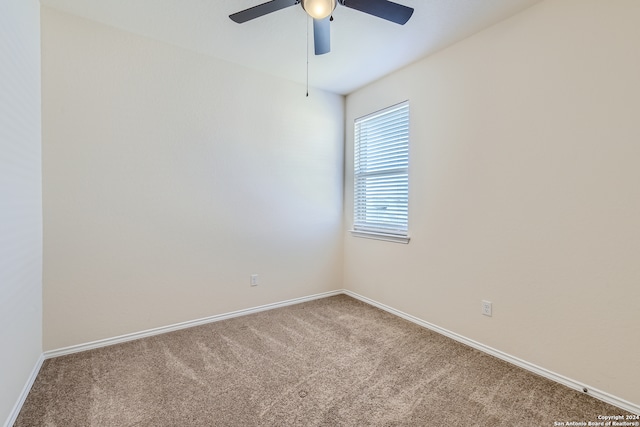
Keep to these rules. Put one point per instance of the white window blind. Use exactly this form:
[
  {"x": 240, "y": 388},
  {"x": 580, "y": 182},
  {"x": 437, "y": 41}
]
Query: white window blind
[{"x": 381, "y": 172}]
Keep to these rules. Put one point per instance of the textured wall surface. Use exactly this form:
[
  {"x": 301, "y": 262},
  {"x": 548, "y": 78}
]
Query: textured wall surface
[
  {"x": 524, "y": 191},
  {"x": 20, "y": 198},
  {"x": 170, "y": 177}
]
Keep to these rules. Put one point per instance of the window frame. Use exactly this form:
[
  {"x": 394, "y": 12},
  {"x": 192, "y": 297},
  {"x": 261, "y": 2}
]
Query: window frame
[{"x": 399, "y": 170}]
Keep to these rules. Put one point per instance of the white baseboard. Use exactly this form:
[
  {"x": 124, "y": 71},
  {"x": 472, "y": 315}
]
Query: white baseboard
[
  {"x": 13, "y": 415},
  {"x": 183, "y": 325},
  {"x": 576, "y": 385}
]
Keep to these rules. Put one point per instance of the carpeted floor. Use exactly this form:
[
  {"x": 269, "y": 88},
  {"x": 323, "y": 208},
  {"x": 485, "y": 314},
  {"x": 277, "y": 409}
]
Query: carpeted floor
[{"x": 329, "y": 362}]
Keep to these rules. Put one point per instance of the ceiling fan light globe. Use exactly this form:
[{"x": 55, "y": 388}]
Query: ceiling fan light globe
[{"x": 319, "y": 9}]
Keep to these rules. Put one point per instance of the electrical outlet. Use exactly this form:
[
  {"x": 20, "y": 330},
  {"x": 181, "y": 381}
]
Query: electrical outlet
[
  {"x": 254, "y": 280},
  {"x": 486, "y": 308}
]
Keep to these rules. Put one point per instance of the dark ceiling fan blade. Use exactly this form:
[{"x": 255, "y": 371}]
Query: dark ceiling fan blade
[
  {"x": 384, "y": 9},
  {"x": 261, "y": 10},
  {"x": 322, "y": 35}
]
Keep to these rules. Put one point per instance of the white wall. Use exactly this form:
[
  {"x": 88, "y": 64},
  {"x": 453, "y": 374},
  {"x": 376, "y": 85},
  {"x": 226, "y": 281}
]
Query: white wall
[
  {"x": 525, "y": 191},
  {"x": 20, "y": 198},
  {"x": 170, "y": 177}
]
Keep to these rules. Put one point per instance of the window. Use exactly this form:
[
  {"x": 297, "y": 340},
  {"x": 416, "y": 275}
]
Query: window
[{"x": 381, "y": 174}]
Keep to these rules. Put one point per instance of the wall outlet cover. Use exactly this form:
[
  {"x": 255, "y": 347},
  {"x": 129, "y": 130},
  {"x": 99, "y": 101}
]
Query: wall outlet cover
[{"x": 487, "y": 308}]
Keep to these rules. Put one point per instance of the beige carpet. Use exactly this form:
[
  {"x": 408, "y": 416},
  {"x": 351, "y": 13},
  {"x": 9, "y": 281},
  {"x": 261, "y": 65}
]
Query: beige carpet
[{"x": 330, "y": 362}]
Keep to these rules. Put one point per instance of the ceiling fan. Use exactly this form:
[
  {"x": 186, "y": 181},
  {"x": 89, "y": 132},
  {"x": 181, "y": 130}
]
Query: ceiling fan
[{"x": 321, "y": 11}]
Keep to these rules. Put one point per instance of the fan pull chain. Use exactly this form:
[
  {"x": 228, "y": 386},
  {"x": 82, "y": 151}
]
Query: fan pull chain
[{"x": 307, "y": 57}]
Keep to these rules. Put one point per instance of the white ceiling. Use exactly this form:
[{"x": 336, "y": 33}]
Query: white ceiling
[{"x": 363, "y": 47}]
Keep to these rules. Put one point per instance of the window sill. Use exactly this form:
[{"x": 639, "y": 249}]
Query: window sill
[{"x": 380, "y": 236}]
